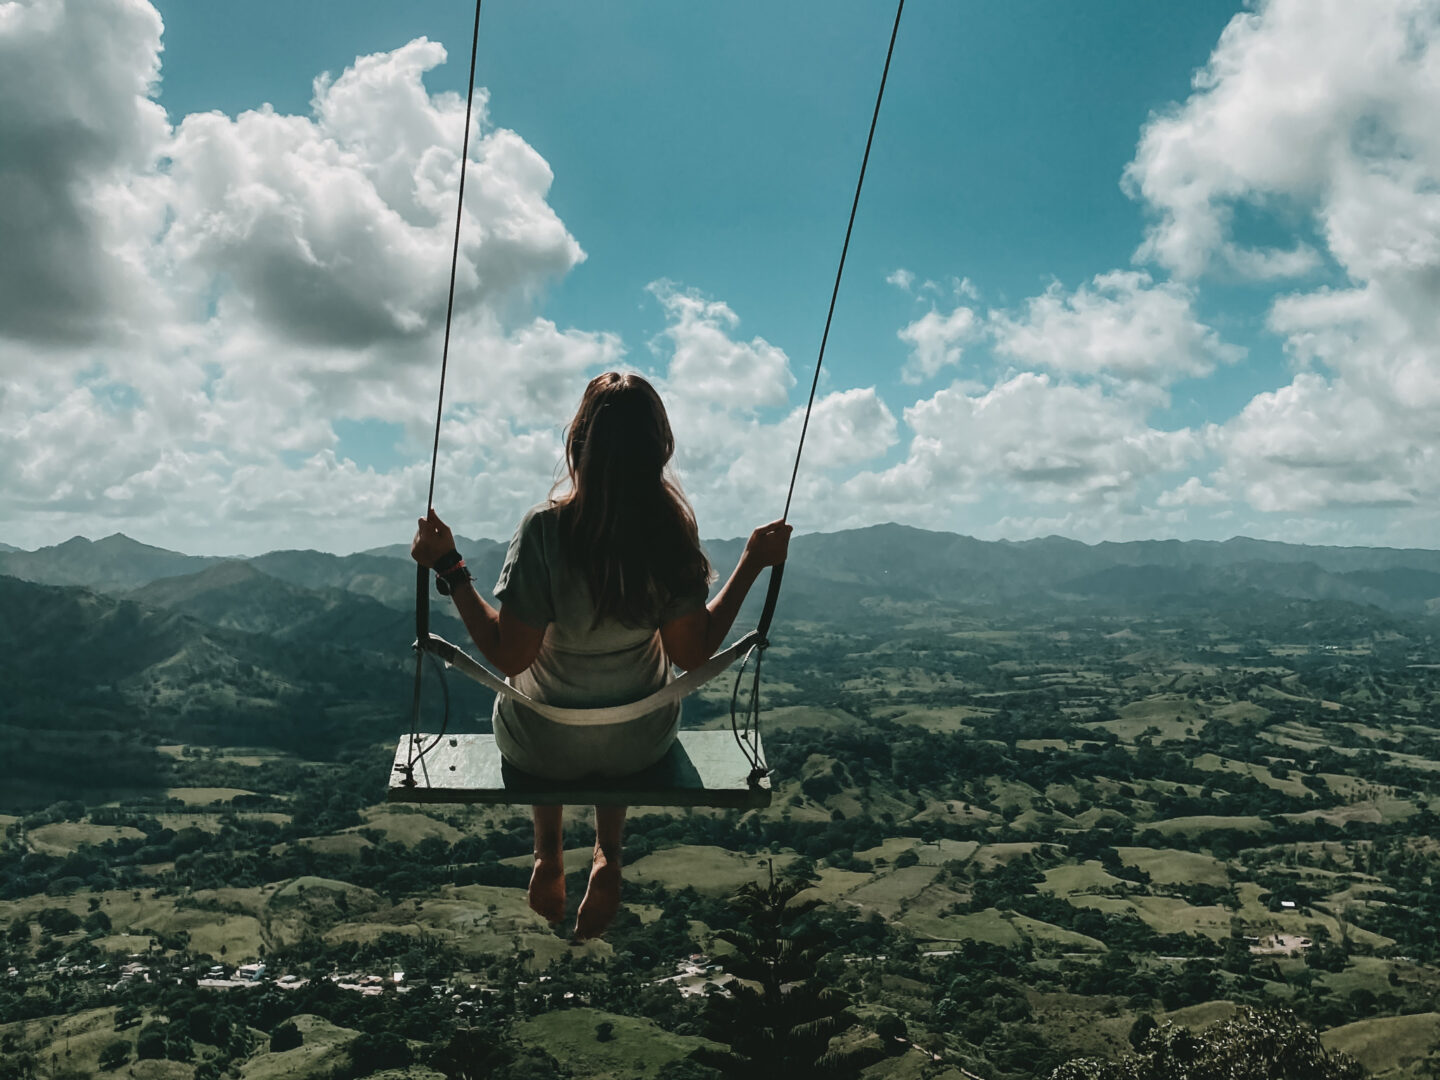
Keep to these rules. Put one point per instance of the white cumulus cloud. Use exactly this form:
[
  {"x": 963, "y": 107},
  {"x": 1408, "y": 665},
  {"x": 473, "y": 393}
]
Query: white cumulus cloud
[
  {"x": 77, "y": 123},
  {"x": 188, "y": 313},
  {"x": 1030, "y": 438},
  {"x": 1323, "y": 111},
  {"x": 936, "y": 341},
  {"x": 1123, "y": 324}
]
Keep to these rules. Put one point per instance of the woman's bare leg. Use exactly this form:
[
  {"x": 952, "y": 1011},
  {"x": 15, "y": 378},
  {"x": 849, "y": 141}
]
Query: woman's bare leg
[
  {"x": 547, "y": 880},
  {"x": 602, "y": 897}
]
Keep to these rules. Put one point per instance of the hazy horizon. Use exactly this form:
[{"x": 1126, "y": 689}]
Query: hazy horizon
[{"x": 241, "y": 555}]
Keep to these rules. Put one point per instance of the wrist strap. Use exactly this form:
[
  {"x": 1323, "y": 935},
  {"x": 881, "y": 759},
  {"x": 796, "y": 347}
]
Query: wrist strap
[
  {"x": 449, "y": 561},
  {"x": 457, "y": 575}
]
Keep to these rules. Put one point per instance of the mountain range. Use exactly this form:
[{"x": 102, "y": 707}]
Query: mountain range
[{"x": 829, "y": 574}]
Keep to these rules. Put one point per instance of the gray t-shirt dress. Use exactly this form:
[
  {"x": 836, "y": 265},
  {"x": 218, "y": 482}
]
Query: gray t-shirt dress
[{"x": 579, "y": 665}]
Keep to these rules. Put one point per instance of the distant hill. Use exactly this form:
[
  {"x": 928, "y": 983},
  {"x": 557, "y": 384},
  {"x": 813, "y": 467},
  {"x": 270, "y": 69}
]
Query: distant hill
[
  {"x": 388, "y": 581},
  {"x": 1400, "y": 590},
  {"x": 238, "y": 596},
  {"x": 388, "y": 578},
  {"x": 91, "y": 681},
  {"x": 114, "y": 563},
  {"x": 89, "y": 677}
]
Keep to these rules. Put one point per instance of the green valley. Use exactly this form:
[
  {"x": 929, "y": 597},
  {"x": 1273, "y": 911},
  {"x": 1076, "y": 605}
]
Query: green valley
[{"x": 1045, "y": 796}]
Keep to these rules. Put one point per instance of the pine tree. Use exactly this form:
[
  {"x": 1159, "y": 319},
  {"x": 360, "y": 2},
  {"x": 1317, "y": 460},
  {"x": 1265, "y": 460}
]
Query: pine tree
[{"x": 777, "y": 1015}]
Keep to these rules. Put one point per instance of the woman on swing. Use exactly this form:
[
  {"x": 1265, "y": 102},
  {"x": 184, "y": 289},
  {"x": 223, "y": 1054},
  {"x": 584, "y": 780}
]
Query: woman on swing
[{"x": 603, "y": 589}]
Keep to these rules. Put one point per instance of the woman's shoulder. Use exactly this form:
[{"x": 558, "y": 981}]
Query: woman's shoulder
[
  {"x": 539, "y": 530},
  {"x": 543, "y": 515}
]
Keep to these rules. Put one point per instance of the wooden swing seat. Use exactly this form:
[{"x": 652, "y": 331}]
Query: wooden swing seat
[{"x": 703, "y": 768}]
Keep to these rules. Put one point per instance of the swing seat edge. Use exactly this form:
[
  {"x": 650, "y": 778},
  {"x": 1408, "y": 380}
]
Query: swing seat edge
[{"x": 702, "y": 768}]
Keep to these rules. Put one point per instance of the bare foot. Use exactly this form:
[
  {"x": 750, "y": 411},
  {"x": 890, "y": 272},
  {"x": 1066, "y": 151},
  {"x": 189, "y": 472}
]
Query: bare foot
[
  {"x": 602, "y": 898},
  {"x": 546, "y": 895}
]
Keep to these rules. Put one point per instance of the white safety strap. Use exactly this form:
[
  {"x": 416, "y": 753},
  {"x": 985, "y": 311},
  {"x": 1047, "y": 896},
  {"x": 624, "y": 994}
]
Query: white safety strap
[{"x": 668, "y": 694}]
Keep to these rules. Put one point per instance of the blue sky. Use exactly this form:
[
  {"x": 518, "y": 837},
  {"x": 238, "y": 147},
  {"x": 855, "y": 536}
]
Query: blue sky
[
  {"x": 717, "y": 145},
  {"x": 1090, "y": 291}
]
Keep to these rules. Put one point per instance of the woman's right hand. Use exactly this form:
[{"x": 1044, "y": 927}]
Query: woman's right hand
[
  {"x": 768, "y": 545},
  {"x": 432, "y": 540}
]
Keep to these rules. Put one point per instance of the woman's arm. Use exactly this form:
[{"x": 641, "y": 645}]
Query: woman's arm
[
  {"x": 692, "y": 639},
  {"x": 506, "y": 642}
]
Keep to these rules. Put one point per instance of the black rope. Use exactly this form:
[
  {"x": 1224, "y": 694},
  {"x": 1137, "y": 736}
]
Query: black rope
[
  {"x": 751, "y": 726},
  {"x": 454, "y": 260},
  {"x": 747, "y": 733},
  {"x": 417, "y": 751},
  {"x": 844, "y": 250},
  {"x": 422, "y": 577}
]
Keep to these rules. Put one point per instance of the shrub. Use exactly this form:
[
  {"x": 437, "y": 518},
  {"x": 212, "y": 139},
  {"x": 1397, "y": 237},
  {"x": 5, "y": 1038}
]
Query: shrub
[
  {"x": 115, "y": 1054},
  {"x": 150, "y": 1046},
  {"x": 286, "y": 1036}
]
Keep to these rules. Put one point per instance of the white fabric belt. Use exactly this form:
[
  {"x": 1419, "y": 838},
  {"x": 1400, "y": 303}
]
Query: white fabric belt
[{"x": 671, "y": 692}]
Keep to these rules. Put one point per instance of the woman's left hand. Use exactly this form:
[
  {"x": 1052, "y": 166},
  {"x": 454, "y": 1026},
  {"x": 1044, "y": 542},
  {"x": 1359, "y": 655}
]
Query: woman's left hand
[{"x": 432, "y": 539}]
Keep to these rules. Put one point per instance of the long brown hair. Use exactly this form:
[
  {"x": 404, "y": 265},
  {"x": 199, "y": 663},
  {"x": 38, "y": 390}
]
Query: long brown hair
[{"x": 624, "y": 521}]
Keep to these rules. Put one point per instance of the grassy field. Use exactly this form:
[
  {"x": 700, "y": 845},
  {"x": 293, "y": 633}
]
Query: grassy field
[
  {"x": 1163, "y": 914},
  {"x": 990, "y": 926},
  {"x": 1203, "y": 823},
  {"x": 1042, "y": 933},
  {"x": 705, "y": 869},
  {"x": 1086, "y": 877},
  {"x": 78, "y": 1039},
  {"x": 801, "y": 716},
  {"x": 889, "y": 893},
  {"x": 347, "y": 843},
  {"x": 1011, "y": 794},
  {"x": 1041, "y": 745},
  {"x": 1167, "y": 867},
  {"x": 406, "y": 825},
  {"x": 236, "y": 938},
  {"x": 205, "y": 796},
  {"x": 889, "y": 849},
  {"x": 952, "y": 811},
  {"x": 946, "y": 851},
  {"x": 1198, "y": 1017},
  {"x": 63, "y": 837},
  {"x": 322, "y": 1051},
  {"x": 124, "y": 944},
  {"x": 1289, "y": 785},
  {"x": 1241, "y": 712},
  {"x": 943, "y": 719},
  {"x": 209, "y": 823},
  {"x": 636, "y": 1049},
  {"x": 1389, "y": 1046},
  {"x": 835, "y": 884},
  {"x": 989, "y": 856}
]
